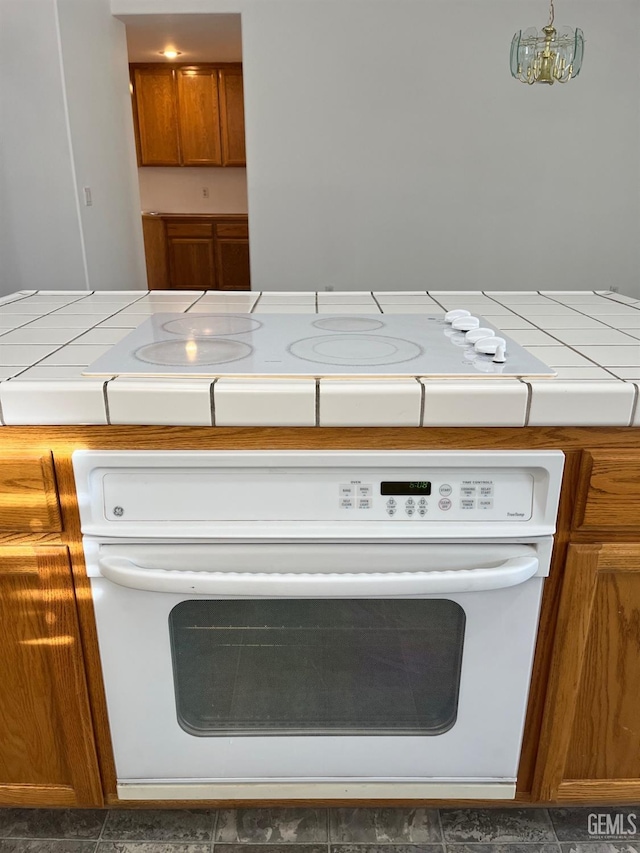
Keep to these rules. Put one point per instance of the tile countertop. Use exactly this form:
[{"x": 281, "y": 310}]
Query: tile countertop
[{"x": 591, "y": 338}]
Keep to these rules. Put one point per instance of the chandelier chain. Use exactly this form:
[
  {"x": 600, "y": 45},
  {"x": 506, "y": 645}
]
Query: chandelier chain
[{"x": 552, "y": 13}]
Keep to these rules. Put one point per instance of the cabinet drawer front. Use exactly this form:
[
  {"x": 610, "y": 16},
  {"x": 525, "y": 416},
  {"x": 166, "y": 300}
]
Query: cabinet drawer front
[
  {"x": 609, "y": 490},
  {"x": 28, "y": 496},
  {"x": 189, "y": 229},
  {"x": 240, "y": 230}
]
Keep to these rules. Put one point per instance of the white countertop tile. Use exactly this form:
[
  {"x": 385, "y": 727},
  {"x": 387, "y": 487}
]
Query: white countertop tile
[
  {"x": 614, "y": 356},
  {"x": 67, "y": 321},
  {"x": 589, "y": 403},
  {"x": 178, "y": 402},
  {"x": 27, "y": 335},
  {"x": 346, "y": 308},
  {"x": 622, "y": 321},
  {"x": 500, "y": 402},
  {"x": 578, "y": 337},
  {"x": 24, "y": 353},
  {"x": 372, "y": 402},
  {"x": 72, "y": 355},
  {"x": 625, "y": 372},
  {"x": 9, "y": 370},
  {"x": 268, "y": 402},
  {"x": 559, "y": 356},
  {"x": 14, "y": 321},
  {"x": 41, "y": 401},
  {"x": 101, "y": 336}
]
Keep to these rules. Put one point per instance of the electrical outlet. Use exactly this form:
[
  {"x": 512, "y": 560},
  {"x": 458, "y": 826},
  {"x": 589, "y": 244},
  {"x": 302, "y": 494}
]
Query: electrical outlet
[
  {"x": 88, "y": 201},
  {"x": 205, "y": 192}
]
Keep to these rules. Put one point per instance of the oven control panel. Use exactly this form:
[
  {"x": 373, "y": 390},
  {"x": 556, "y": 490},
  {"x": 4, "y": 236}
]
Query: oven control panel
[
  {"x": 447, "y": 495},
  {"x": 303, "y": 493}
]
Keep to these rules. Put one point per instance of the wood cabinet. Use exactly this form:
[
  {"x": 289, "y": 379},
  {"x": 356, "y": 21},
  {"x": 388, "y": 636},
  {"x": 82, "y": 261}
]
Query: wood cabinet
[
  {"x": 156, "y": 115},
  {"x": 28, "y": 497},
  {"x": 47, "y": 752},
  {"x": 197, "y": 253},
  {"x": 590, "y": 744},
  {"x": 189, "y": 115}
]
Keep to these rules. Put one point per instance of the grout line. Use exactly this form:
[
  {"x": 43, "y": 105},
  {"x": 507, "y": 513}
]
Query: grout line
[
  {"x": 634, "y": 407},
  {"x": 317, "y": 410},
  {"x": 255, "y": 304},
  {"x": 527, "y": 411},
  {"x": 316, "y": 301},
  {"x": 212, "y": 401},
  {"x": 1, "y": 415},
  {"x": 105, "y": 397},
  {"x": 440, "y": 827},
  {"x": 422, "y": 400},
  {"x": 373, "y": 296}
]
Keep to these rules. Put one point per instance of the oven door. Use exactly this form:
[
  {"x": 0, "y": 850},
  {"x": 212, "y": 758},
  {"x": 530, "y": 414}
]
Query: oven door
[{"x": 308, "y": 669}]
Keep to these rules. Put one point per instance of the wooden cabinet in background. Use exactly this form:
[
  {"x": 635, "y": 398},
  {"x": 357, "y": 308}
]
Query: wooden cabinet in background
[
  {"x": 189, "y": 115},
  {"x": 199, "y": 116},
  {"x": 590, "y": 741},
  {"x": 28, "y": 496},
  {"x": 47, "y": 751},
  {"x": 156, "y": 115},
  {"x": 232, "y": 117},
  {"x": 203, "y": 252}
]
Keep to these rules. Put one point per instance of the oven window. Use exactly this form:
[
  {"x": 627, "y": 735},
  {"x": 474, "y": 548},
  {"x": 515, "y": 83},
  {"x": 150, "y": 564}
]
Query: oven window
[{"x": 298, "y": 667}]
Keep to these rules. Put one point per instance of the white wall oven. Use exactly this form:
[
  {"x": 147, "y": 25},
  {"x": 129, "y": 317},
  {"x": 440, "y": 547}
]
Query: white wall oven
[{"x": 304, "y": 624}]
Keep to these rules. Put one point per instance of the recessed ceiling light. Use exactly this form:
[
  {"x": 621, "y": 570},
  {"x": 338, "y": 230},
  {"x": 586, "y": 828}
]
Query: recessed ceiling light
[{"x": 170, "y": 53}]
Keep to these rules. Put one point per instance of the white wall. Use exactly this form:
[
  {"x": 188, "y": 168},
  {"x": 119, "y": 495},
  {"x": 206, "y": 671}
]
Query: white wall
[
  {"x": 64, "y": 105},
  {"x": 389, "y": 147},
  {"x": 95, "y": 64},
  {"x": 40, "y": 238},
  {"x": 179, "y": 190}
]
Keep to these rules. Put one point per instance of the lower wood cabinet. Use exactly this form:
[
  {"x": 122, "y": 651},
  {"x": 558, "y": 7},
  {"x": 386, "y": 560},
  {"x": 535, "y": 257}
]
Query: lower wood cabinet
[
  {"x": 590, "y": 742},
  {"x": 199, "y": 253},
  {"x": 47, "y": 752}
]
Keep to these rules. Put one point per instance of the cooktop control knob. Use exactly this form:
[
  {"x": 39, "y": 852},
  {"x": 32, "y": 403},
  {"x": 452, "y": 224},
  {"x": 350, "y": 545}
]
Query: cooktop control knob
[
  {"x": 450, "y": 316},
  {"x": 491, "y": 345},
  {"x": 477, "y": 334},
  {"x": 465, "y": 324}
]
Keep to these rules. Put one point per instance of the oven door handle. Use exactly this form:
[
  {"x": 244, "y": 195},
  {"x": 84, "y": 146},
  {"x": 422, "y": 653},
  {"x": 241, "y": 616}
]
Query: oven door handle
[{"x": 124, "y": 572}]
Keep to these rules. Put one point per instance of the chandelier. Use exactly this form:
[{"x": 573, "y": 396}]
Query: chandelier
[{"x": 548, "y": 56}]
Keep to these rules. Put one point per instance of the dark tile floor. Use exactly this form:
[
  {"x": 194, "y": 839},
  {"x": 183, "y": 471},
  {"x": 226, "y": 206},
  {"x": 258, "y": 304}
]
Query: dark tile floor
[{"x": 309, "y": 830}]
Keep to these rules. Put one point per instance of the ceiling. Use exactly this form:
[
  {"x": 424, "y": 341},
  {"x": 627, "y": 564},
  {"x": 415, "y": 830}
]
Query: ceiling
[{"x": 200, "y": 38}]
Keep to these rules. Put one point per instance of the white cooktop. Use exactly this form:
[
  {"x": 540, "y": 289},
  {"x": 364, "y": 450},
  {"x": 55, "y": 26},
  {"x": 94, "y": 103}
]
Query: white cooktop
[{"x": 308, "y": 345}]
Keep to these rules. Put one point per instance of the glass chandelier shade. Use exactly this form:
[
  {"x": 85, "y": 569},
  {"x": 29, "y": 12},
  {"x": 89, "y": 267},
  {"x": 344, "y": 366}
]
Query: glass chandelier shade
[{"x": 549, "y": 56}]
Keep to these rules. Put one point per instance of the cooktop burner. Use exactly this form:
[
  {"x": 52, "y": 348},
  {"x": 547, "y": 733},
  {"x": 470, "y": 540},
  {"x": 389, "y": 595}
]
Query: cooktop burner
[{"x": 297, "y": 345}]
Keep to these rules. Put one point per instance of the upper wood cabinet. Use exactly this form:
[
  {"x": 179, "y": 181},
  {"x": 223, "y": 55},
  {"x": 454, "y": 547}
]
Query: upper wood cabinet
[
  {"x": 156, "y": 115},
  {"x": 232, "y": 116},
  {"x": 189, "y": 115},
  {"x": 590, "y": 740},
  {"x": 47, "y": 751},
  {"x": 199, "y": 116}
]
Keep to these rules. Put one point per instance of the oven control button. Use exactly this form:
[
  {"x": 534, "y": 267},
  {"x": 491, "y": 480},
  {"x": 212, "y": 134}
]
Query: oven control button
[
  {"x": 364, "y": 503},
  {"x": 485, "y": 503},
  {"x": 467, "y": 491},
  {"x": 391, "y": 510},
  {"x": 391, "y": 502},
  {"x": 410, "y": 502},
  {"x": 346, "y": 503},
  {"x": 445, "y": 490},
  {"x": 364, "y": 491},
  {"x": 422, "y": 502},
  {"x": 422, "y": 511},
  {"x": 486, "y": 491},
  {"x": 346, "y": 490},
  {"x": 410, "y": 511},
  {"x": 444, "y": 504},
  {"x": 467, "y": 504}
]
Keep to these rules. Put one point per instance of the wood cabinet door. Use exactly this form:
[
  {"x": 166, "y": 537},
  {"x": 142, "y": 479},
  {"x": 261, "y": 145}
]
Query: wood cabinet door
[
  {"x": 154, "y": 90},
  {"x": 199, "y": 117},
  {"x": 232, "y": 255},
  {"x": 590, "y": 740},
  {"x": 232, "y": 117},
  {"x": 47, "y": 750},
  {"x": 191, "y": 263}
]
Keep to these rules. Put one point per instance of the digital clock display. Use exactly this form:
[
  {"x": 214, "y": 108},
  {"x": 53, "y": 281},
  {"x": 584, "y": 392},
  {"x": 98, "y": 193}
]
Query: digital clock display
[{"x": 417, "y": 487}]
